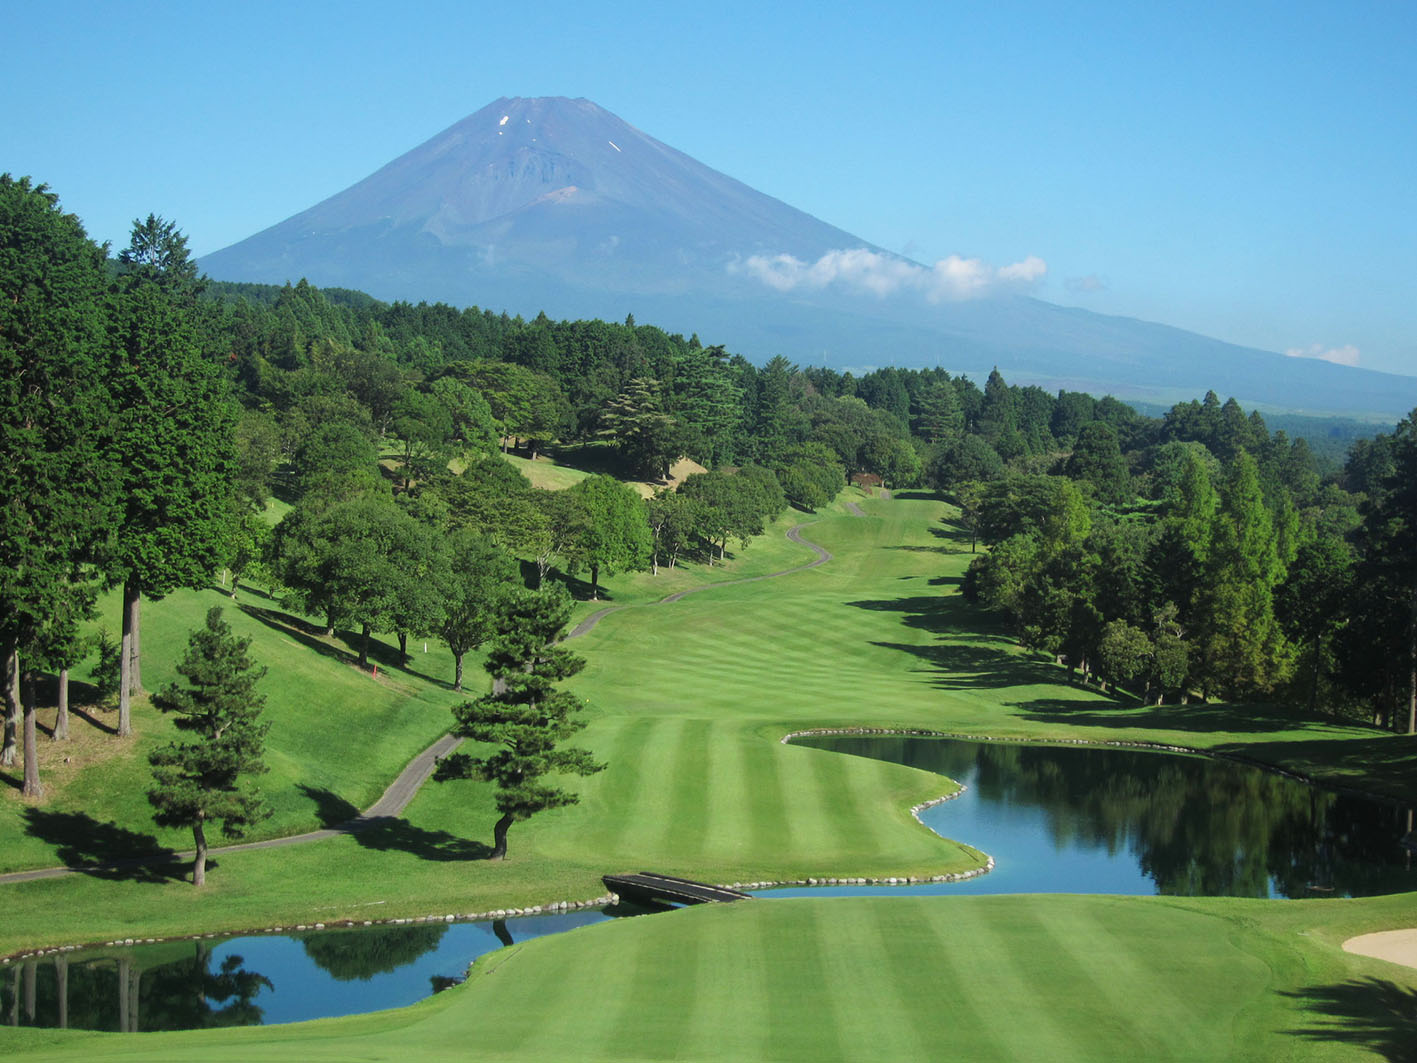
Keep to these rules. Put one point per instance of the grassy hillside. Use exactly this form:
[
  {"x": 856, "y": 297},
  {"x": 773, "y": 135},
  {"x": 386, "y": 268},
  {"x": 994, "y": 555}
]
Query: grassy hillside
[{"x": 337, "y": 734}]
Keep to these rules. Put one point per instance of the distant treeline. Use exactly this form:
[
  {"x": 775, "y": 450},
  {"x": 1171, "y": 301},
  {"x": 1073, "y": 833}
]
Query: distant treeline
[{"x": 149, "y": 415}]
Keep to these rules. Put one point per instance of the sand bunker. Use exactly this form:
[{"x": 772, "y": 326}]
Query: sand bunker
[{"x": 1395, "y": 946}]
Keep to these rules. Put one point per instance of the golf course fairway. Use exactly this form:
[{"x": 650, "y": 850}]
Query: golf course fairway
[{"x": 686, "y": 703}]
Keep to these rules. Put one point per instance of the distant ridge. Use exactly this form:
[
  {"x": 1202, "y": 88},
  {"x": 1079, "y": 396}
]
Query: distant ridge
[{"x": 556, "y": 204}]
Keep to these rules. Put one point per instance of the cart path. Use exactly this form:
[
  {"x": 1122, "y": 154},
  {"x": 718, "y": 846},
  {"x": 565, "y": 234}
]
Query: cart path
[
  {"x": 395, "y": 799},
  {"x": 403, "y": 789}
]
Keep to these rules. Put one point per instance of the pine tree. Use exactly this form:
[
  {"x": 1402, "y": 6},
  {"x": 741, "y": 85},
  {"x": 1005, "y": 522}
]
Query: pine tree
[
  {"x": 525, "y": 714},
  {"x": 207, "y": 780}
]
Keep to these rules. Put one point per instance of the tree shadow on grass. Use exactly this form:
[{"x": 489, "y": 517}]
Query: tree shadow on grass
[
  {"x": 391, "y": 833},
  {"x": 940, "y": 614},
  {"x": 978, "y": 657},
  {"x": 103, "y": 850},
  {"x": 969, "y": 665},
  {"x": 299, "y": 631},
  {"x": 1198, "y": 717},
  {"x": 1374, "y": 1013}
]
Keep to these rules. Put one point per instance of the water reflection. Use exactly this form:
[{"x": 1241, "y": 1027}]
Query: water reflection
[
  {"x": 263, "y": 979},
  {"x": 163, "y": 987},
  {"x": 1127, "y": 821},
  {"x": 350, "y": 955}
]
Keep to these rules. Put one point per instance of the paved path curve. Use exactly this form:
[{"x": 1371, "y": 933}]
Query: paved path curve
[
  {"x": 394, "y": 801},
  {"x": 402, "y": 790}
]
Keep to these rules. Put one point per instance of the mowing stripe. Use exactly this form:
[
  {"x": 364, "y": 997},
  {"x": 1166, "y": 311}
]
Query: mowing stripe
[
  {"x": 730, "y": 810},
  {"x": 769, "y": 826},
  {"x": 682, "y": 823},
  {"x": 794, "y": 961},
  {"x": 1004, "y": 988}
]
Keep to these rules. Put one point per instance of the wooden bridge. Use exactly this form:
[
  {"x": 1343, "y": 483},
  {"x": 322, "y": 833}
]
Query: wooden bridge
[{"x": 648, "y": 887}]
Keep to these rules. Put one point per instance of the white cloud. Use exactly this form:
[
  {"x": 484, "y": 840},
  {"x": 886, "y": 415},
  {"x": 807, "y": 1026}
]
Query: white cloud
[
  {"x": 950, "y": 279},
  {"x": 1345, "y": 355}
]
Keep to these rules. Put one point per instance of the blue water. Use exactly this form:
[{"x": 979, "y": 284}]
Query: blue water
[{"x": 1069, "y": 819}]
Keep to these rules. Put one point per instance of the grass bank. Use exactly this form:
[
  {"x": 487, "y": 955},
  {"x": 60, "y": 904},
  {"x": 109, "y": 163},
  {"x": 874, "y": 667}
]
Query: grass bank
[{"x": 978, "y": 978}]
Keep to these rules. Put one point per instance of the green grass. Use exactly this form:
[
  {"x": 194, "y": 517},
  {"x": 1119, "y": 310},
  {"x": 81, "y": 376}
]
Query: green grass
[
  {"x": 338, "y": 736},
  {"x": 977, "y": 978},
  {"x": 686, "y": 702},
  {"x": 545, "y": 473}
]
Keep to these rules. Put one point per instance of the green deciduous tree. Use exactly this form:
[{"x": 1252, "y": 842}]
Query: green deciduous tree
[
  {"x": 616, "y": 535},
  {"x": 363, "y": 562},
  {"x": 475, "y": 572},
  {"x": 525, "y": 714},
  {"x": 673, "y": 522},
  {"x": 207, "y": 780}
]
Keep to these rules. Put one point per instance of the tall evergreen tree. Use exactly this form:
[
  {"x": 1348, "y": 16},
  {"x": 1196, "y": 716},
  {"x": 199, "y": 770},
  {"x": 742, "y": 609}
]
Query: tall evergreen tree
[
  {"x": 57, "y": 479},
  {"x": 1243, "y": 649},
  {"x": 1382, "y": 636},
  {"x": 174, "y": 438}
]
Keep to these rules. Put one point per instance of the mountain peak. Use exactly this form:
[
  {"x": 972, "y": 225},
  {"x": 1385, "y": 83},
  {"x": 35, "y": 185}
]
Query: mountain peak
[
  {"x": 556, "y": 204},
  {"x": 489, "y": 196}
]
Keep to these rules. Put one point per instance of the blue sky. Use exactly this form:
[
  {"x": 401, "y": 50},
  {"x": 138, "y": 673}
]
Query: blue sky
[{"x": 1244, "y": 170}]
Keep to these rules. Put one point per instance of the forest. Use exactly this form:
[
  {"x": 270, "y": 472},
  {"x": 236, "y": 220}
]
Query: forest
[{"x": 160, "y": 429}]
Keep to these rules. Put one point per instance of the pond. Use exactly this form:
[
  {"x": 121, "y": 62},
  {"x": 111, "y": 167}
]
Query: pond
[
  {"x": 1055, "y": 819},
  {"x": 1079, "y": 819}
]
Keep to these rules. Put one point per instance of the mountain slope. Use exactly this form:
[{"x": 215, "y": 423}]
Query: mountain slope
[{"x": 557, "y": 205}]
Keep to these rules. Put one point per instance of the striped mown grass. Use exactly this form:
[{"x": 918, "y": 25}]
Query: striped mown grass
[
  {"x": 686, "y": 703},
  {"x": 969, "y": 978}
]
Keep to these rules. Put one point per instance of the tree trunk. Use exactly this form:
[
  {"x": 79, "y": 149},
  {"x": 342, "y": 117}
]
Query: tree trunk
[
  {"x": 457, "y": 672},
  {"x": 1314, "y": 684},
  {"x": 128, "y": 657},
  {"x": 61, "y": 718},
  {"x": 1412, "y": 668},
  {"x": 654, "y": 563},
  {"x": 364, "y": 646},
  {"x": 329, "y": 625},
  {"x": 594, "y": 582},
  {"x": 124, "y": 966},
  {"x": 499, "y": 837},
  {"x": 403, "y": 649},
  {"x": 136, "y": 676},
  {"x": 11, "y": 683},
  {"x": 199, "y": 865},
  {"x": 30, "y": 979},
  {"x": 61, "y": 988},
  {"x": 32, "y": 786}
]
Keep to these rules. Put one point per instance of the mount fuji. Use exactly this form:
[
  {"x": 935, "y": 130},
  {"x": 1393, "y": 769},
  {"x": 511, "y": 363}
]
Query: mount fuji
[{"x": 558, "y": 205}]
